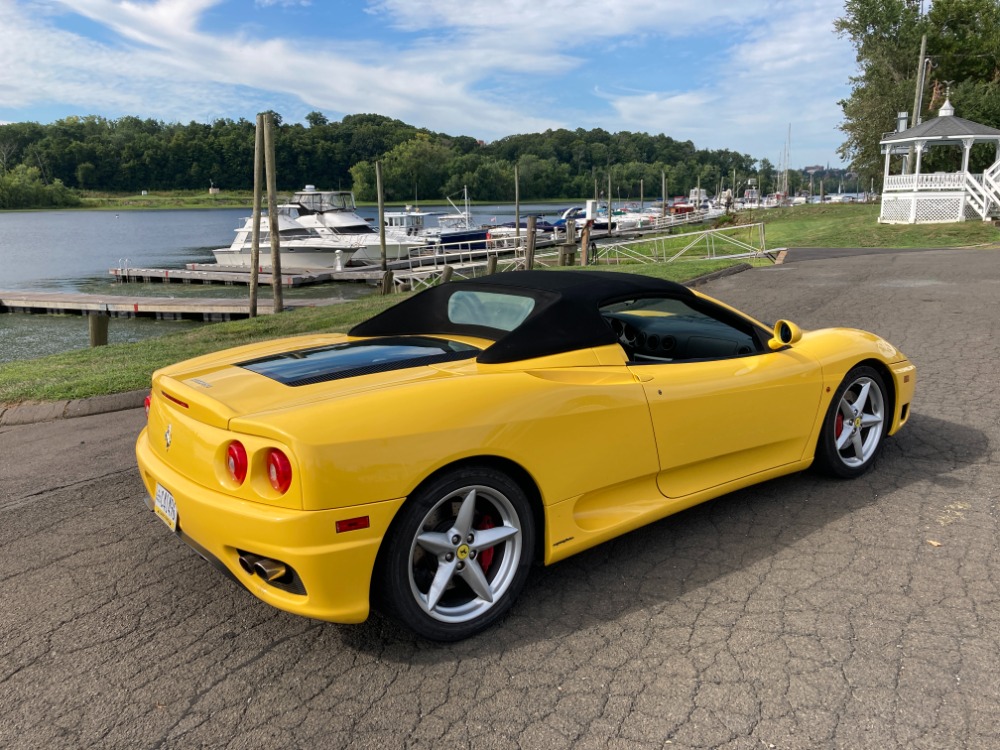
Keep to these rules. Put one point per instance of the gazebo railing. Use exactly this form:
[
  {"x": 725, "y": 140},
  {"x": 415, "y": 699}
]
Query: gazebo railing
[{"x": 934, "y": 181}]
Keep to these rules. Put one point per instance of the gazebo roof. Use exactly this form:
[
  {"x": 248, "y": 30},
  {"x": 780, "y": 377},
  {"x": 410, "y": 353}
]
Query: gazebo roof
[{"x": 944, "y": 129}]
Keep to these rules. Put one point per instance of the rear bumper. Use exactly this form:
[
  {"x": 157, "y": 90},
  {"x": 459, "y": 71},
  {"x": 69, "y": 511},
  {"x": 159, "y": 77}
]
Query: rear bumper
[{"x": 335, "y": 569}]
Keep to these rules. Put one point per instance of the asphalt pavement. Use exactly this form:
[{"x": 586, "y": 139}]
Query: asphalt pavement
[{"x": 801, "y": 613}]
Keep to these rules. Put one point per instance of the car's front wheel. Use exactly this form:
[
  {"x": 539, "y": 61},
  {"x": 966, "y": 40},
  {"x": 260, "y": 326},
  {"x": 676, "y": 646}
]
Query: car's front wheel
[
  {"x": 855, "y": 425},
  {"x": 458, "y": 554}
]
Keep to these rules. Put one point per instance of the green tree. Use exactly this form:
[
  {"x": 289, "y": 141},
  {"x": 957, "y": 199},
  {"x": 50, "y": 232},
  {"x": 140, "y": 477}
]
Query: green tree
[
  {"x": 316, "y": 119},
  {"x": 416, "y": 169},
  {"x": 23, "y": 187},
  {"x": 84, "y": 171},
  {"x": 963, "y": 45}
]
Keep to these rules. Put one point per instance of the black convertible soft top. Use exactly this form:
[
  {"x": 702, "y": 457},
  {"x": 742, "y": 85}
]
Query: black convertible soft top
[{"x": 566, "y": 315}]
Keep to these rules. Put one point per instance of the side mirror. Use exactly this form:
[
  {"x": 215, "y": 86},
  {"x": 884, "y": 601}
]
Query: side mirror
[{"x": 786, "y": 333}]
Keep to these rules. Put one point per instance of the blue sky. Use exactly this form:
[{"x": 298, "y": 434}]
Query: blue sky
[{"x": 721, "y": 73}]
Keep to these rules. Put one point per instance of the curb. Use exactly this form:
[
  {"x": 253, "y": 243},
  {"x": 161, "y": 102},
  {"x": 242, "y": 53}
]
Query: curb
[
  {"x": 718, "y": 275},
  {"x": 31, "y": 412}
]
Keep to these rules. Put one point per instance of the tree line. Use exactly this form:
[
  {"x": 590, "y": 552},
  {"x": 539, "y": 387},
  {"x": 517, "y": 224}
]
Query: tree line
[{"x": 129, "y": 154}]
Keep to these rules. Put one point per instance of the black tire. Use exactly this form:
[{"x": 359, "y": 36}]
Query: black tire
[
  {"x": 426, "y": 579},
  {"x": 855, "y": 425}
]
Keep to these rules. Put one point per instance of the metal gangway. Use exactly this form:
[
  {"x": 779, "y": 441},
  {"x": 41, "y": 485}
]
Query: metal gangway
[
  {"x": 707, "y": 244},
  {"x": 429, "y": 265}
]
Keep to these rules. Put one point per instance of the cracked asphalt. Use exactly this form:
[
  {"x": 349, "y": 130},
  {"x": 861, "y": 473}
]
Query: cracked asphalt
[{"x": 801, "y": 613}]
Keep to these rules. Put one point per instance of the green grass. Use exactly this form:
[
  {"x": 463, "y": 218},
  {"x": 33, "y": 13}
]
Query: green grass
[
  {"x": 167, "y": 199},
  {"x": 856, "y": 225},
  {"x": 126, "y": 367}
]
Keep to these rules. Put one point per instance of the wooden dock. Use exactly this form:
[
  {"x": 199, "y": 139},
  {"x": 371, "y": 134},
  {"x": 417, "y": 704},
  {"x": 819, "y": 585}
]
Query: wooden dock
[
  {"x": 209, "y": 273},
  {"x": 160, "y": 308}
]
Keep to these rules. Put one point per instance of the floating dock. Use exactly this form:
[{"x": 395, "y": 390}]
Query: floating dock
[
  {"x": 209, "y": 273},
  {"x": 160, "y": 308}
]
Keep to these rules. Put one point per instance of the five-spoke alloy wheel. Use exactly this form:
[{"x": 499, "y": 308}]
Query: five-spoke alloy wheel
[
  {"x": 458, "y": 554},
  {"x": 855, "y": 425}
]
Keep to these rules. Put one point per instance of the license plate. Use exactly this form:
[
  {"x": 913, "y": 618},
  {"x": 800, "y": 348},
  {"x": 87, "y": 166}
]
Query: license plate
[{"x": 165, "y": 507}]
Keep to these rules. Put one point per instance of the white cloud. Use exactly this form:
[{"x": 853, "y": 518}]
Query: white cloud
[
  {"x": 791, "y": 70},
  {"x": 463, "y": 67},
  {"x": 566, "y": 21}
]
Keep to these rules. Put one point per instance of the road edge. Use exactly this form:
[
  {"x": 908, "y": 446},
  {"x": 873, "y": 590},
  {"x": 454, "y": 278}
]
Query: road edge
[{"x": 31, "y": 412}]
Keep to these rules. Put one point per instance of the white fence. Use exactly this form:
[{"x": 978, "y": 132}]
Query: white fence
[{"x": 936, "y": 181}]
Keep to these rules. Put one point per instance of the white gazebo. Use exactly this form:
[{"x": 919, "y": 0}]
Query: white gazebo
[{"x": 940, "y": 197}]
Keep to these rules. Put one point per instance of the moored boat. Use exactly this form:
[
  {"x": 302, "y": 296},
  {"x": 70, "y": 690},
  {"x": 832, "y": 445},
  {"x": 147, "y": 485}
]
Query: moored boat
[{"x": 316, "y": 229}]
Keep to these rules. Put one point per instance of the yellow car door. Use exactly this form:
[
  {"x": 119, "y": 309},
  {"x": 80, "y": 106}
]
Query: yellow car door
[{"x": 716, "y": 421}]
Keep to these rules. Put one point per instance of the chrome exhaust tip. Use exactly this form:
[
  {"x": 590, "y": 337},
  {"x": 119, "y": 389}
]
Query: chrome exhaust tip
[
  {"x": 247, "y": 562},
  {"x": 269, "y": 570}
]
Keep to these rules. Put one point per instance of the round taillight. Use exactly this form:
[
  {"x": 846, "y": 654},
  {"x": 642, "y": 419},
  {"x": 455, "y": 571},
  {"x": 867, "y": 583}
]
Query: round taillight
[
  {"x": 147, "y": 402},
  {"x": 279, "y": 470},
  {"x": 236, "y": 461}
]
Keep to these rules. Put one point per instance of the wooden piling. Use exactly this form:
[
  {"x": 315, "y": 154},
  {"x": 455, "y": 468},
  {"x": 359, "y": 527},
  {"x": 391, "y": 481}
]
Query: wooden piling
[
  {"x": 585, "y": 259},
  {"x": 609, "y": 201},
  {"x": 517, "y": 207},
  {"x": 385, "y": 286},
  {"x": 272, "y": 210},
  {"x": 663, "y": 192},
  {"x": 381, "y": 214},
  {"x": 258, "y": 186},
  {"x": 491, "y": 265},
  {"x": 97, "y": 325},
  {"x": 529, "y": 248},
  {"x": 567, "y": 251},
  {"x": 446, "y": 273}
]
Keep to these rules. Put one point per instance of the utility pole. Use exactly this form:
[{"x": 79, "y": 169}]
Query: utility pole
[
  {"x": 918, "y": 94},
  {"x": 917, "y": 98}
]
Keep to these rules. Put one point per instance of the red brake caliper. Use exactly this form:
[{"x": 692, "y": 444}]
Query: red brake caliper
[
  {"x": 486, "y": 555},
  {"x": 839, "y": 425}
]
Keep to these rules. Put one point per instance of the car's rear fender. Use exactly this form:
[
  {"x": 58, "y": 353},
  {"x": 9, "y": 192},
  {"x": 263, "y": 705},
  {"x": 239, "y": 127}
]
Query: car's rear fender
[{"x": 569, "y": 434}]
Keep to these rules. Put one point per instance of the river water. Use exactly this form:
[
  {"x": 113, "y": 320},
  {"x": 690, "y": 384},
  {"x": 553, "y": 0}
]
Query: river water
[{"x": 73, "y": 251}]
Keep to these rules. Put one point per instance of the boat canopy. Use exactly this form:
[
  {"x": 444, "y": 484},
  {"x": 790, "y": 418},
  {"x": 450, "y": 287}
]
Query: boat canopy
[{"x": 319, "y": 201}]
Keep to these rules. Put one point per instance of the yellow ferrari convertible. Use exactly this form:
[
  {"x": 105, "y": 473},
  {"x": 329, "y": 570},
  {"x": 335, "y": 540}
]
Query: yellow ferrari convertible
[{"x": 424, "y": 460}]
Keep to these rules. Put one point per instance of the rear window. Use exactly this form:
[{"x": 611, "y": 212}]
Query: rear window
[
  {"x": 503, "y": 312},
  {"x": 320, "y": 364}
]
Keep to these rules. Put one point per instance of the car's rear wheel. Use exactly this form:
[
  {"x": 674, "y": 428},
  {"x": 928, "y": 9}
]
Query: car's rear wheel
[
  {"x": 855, "y": 425},
  {"x": 458, "y": 554}
]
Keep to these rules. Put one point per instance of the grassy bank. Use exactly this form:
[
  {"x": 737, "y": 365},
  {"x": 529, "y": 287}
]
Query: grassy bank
[
  {"x": 166, "y": 199},
  {"x": 856, "y": 225},
  {"x": 126, "y": 367}
]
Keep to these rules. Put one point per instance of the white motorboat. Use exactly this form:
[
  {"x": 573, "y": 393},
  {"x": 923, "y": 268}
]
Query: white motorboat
[
  {"x": 316, "y": 229},
  {"x": 452, "y": 232}
]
